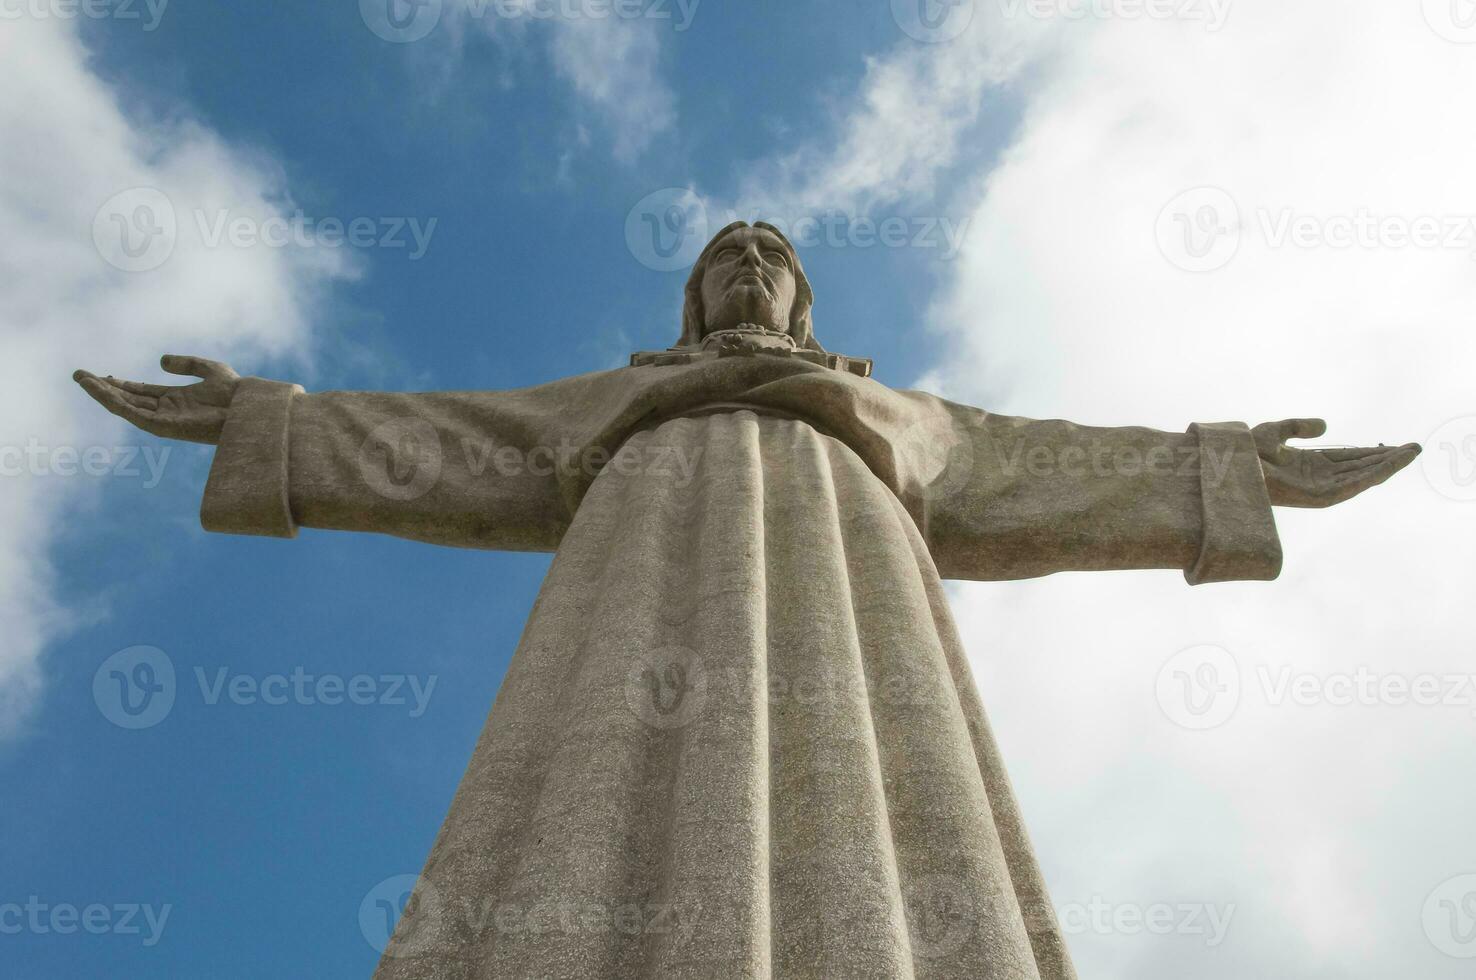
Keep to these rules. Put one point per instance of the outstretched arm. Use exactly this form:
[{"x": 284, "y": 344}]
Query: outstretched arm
[
  {"x": 1023, "y": 497},
  {"x": 471, "y": 469}
]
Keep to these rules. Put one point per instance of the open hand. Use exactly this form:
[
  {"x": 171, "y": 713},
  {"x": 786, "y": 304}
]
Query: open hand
[
  {"x": 1321, "y": 477},
  {"x": 195, "y": 413}
]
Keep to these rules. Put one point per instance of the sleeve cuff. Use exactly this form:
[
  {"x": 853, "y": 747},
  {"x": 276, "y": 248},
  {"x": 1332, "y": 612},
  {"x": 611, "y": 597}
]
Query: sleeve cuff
[
  {"x": 1239, "y": 540},
  {"x": 246, "y": 492}
]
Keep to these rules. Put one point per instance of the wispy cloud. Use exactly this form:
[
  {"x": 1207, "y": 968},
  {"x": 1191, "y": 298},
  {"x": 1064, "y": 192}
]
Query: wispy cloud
[{"x": 76, "y": 176}]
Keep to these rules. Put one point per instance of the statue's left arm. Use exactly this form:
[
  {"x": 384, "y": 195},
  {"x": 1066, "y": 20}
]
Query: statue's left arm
[
  {"x": 1020, "y": 497},
  {"x": 470, "y": 469}
]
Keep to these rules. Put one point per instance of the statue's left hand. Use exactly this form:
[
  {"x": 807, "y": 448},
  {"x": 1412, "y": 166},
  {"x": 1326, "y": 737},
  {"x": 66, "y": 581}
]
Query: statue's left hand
[
  {"x": 1321, "y": 477},
  {"x": 195, "y": 413}
]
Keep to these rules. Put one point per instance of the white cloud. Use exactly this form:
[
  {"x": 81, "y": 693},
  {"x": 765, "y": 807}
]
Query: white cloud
[
  {"x": 69, "y": 149},
  {"x": 1325, "y": 826},
  {"x": 611, "y": 63}
]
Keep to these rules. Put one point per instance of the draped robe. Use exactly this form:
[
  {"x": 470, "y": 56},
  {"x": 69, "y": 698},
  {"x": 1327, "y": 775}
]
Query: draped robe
[{"x": 739, "y": 736}]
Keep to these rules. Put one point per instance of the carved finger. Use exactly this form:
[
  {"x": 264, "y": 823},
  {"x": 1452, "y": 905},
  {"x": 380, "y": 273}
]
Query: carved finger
[
  {"x": 1351, "y": 455},
  {"x": 1300, "y": 428},
  {"x": 199, "y": 367},
  {"x": 113, "y": 400},
  {"x": 1372, "y": 472},
  {"x": 139, "y": 387},
  {"x": 146, "y": 402}
]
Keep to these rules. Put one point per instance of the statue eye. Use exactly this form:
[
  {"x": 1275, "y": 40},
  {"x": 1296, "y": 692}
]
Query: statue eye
[{"x": 777, "y": 257}]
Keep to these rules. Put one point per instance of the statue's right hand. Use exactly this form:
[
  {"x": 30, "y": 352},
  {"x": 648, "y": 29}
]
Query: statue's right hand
[{"x": 196, "y": 412}]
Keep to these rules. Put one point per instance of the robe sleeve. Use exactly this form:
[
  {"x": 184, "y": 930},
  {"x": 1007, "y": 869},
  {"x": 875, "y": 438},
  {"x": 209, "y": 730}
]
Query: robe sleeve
[
  {"x": 470, "y": 469},
  {"x": 1017, "y": 498}
]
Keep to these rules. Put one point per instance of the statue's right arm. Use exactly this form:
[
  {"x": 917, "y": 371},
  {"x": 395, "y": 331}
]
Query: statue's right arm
[{"x": 469, "y": 469}]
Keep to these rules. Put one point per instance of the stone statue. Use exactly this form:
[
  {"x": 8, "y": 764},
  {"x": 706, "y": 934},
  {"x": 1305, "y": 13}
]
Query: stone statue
[{"x": 739, "y": 737}]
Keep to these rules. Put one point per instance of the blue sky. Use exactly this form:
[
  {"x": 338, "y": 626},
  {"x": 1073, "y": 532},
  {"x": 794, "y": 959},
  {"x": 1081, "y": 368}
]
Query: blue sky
[
  {"x": 263, "y": 827},
  {"x": 1054, "y": 144}
]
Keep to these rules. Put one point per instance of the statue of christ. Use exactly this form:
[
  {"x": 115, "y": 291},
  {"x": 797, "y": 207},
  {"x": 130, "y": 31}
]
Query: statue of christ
[{"x": 739, "y": 737}]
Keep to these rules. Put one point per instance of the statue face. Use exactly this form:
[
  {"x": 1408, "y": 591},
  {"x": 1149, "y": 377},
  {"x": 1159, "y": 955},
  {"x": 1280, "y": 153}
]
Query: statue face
[{"x": 749, "y": 279}]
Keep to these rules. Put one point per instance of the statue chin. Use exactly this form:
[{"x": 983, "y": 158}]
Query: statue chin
[{"x": 751, "y": 335}]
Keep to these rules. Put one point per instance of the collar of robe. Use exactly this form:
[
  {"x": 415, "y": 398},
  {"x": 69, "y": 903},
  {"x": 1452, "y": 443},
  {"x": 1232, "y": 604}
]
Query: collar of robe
[{"x": 751, "y": 340}]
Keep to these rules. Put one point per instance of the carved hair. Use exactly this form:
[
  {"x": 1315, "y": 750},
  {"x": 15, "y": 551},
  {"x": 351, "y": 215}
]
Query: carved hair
[{"x": 694, "y": 315}]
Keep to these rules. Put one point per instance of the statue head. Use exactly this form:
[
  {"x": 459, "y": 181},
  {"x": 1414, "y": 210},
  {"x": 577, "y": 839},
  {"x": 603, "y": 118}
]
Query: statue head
[{"x": 748, "y": 278}]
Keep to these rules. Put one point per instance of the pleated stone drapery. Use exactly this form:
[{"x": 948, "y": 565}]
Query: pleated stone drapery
[{"x": 738, "y": 739}]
